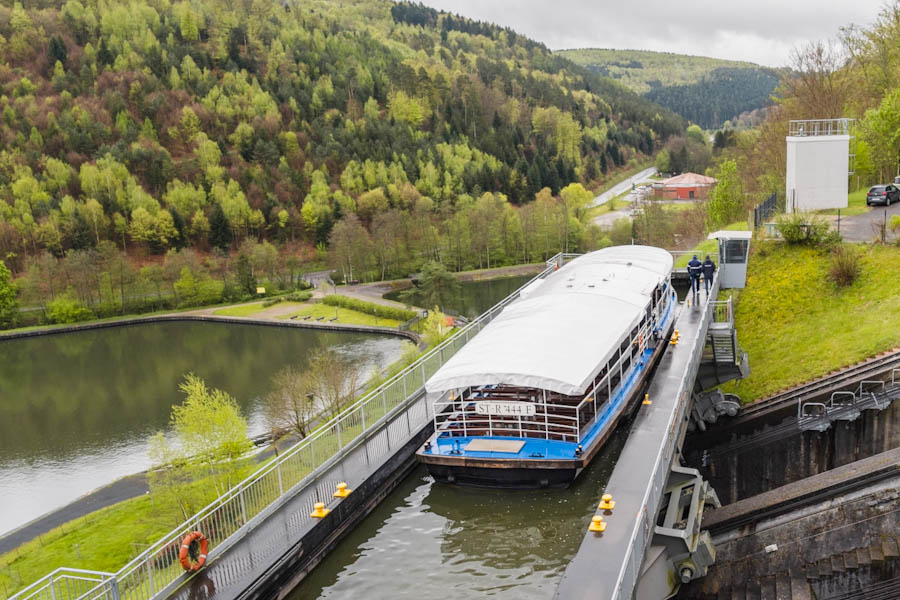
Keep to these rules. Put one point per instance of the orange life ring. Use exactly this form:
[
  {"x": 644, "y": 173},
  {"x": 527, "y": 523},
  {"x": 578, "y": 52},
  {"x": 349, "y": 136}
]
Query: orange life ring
[{"x": 184, "y": 555}]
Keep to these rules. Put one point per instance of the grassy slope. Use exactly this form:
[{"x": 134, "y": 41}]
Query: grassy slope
[
  {"x": 670, "y": 69},
  {"x": 796, "y": 325}
]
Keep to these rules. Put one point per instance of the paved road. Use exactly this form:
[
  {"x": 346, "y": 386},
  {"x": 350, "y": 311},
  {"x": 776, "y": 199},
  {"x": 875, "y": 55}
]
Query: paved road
[
  {"x": 623, "y": 186},
  {"x": 866, "y": 227}
]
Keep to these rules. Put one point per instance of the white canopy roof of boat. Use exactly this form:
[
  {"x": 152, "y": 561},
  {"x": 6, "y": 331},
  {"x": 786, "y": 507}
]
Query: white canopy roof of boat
[{"x": 561, "y": 333}]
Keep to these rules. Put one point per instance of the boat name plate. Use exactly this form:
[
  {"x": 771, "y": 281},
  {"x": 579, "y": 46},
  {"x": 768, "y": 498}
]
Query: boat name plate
[{"x": 514, "y": 409}]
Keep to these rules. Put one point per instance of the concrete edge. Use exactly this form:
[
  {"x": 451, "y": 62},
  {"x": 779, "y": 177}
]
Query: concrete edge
[{"x": 212, "y": 319}]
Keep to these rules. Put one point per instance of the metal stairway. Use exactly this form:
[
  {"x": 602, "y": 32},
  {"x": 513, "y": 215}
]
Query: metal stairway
[{"x": 722, "y": 359}]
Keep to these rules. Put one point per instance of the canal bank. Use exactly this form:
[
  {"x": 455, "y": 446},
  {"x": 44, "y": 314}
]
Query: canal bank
[{"x": 80, "y": 417}]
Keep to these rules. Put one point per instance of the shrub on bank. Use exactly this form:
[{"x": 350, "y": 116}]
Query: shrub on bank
[
  {"x": 845, "y": 265},
  {"x": 806, "y": 229},
  {"x": 66, "y": 308},
  {"x": 370, "y": 308}
]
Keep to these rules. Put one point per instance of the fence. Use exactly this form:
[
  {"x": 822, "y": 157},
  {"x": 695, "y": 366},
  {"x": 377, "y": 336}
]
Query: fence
[
  {"x": 157, "y": 570},
  {"x": 763, "y": 211}
]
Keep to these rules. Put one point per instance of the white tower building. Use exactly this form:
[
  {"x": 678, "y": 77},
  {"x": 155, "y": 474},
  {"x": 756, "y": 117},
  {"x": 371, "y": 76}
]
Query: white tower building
[{"x": 818, "y": 164}]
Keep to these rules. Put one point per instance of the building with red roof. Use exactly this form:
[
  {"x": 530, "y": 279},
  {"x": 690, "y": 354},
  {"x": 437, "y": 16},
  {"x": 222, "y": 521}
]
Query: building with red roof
[{"x": 686, "y": 186}]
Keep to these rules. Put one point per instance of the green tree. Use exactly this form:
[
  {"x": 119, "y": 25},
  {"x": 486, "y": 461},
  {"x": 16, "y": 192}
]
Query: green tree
[
  {"x": 726, "y": 201},
  {"x": 9, "y": 302},
  {"x": 210, "y": 438},
  {"x": 436, "y": 284}
]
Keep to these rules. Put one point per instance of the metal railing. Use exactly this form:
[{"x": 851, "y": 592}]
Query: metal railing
[
  {"x": 815, "y": 127},
  {"x": 642, "y": 532},
  {"x": 157, "y": 569},
  {"x": 763, "y": 211},
  {"x": 687, "y": 254},
  {"x": 75, "y": 584},
  {"x": 721, "y": 312},
  {"x": 559, "y": 421}
]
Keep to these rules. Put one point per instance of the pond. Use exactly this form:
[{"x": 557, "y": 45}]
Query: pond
[
  {"x": 473, "y": 297},
  {"x": 76, "y": 409}
]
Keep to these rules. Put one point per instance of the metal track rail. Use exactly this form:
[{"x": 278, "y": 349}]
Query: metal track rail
[{"x": 823, "y": 386}]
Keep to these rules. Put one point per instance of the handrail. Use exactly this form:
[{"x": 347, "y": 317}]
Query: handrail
[{"x": 156, "y": 569}]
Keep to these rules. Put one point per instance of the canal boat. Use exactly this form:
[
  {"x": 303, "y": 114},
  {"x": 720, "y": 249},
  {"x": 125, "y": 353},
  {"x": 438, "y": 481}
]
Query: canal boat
[{"x": 532, "y": 398}]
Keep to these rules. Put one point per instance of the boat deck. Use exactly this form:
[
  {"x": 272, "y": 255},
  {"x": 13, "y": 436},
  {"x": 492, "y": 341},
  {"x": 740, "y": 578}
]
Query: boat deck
[{"x": 539, "y": 448}]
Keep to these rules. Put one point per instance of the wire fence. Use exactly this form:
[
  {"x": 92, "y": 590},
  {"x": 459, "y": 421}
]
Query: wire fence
[{"x": 157, "y": 570}]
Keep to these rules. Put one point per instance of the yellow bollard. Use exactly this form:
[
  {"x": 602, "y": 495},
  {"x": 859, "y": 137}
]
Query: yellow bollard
[
  {"x": 606, "y": 502},
  {"x": 597, "y": 525},
  {"x": 342, "y": 491},
  {"x": 320, "y": 511},
  {"x": 646, "y": 399}
]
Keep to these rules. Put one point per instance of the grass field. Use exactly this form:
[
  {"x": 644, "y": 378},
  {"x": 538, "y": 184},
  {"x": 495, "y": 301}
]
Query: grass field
[
  {"x": 345, "y": 316},
  {"x": 242, "y": 310},
  {"x": 856, "y": 205},
  {"x": 796, "y": 325}
]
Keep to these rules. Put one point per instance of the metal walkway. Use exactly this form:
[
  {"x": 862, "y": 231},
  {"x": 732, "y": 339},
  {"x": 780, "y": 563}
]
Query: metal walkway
[{"x": 609, "y": 564}]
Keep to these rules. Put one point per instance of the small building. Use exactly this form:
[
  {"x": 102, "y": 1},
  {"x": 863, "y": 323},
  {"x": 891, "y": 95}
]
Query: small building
[
  {"x": 819, "y": 162},
  {"x": 686, "y": 186}
]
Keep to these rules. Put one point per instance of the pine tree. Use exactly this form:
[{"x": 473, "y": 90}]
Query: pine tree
[{"x": 219, "y": 231}]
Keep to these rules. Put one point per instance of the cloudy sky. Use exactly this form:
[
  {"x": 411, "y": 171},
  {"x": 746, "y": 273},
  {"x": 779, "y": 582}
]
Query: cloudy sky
[{"x": 762, "y": 31}]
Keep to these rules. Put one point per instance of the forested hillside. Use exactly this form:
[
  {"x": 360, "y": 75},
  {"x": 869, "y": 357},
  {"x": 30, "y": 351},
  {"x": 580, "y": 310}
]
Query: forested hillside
[
  {"x": 707, "y": 91},
  {"x": 198, "y": 122}
]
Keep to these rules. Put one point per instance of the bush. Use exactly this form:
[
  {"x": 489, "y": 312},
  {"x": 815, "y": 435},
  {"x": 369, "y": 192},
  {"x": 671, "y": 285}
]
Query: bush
[
  {"x": 272, "y": 301},
  {"x": 298, "y": 297},
  {"x": 66, "y": 308},
  {"x": 845, "y": 265},
  {"x": 807, "y": 230},
  {"x": 370, "y": 308}
]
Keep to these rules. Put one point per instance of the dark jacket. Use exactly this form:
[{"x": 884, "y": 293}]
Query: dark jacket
[
  {"x": 694, "y": 267},
  {"x": 709, "y": 268}
]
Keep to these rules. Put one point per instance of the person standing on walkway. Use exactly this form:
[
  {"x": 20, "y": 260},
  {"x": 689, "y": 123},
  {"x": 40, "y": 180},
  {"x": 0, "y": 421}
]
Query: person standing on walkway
[
  {"x": 709, "y": 271},
  {"x": 695, "y": 267}
]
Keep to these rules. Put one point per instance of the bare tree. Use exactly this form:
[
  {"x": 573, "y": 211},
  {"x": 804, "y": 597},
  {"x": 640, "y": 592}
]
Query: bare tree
[
  {"x": 291, "y": 404},
  {"x": 335, "y": 380},
  {"x": 817, "y": 83}
]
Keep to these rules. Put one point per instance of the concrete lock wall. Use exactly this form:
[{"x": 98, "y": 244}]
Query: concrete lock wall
[
  {"x": 817, "y": 172},
  {"x": 748, "y": 472}
]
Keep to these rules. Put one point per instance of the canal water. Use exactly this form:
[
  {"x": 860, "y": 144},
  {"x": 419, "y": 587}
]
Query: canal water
[
  {"x": 433, "y": 540},
  {"x": 472, "y": 298},
  {"x": 76, "y": 409}
]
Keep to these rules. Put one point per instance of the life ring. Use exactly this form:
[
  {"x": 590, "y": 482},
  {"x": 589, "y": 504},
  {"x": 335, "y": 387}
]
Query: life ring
[{"x": 185, "y": 555}]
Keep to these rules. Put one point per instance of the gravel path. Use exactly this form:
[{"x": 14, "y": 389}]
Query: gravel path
[{"x": 866, "y": 227}]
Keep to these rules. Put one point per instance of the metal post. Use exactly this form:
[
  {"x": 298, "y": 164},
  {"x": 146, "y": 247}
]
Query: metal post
[
  {"x": 114, "y": 588},
  {"x": 384, "y": 398},
  {"x": 280, "y": 481},
  {"x": 150, "y": 579},
  {"x": 338, "y": 425}
]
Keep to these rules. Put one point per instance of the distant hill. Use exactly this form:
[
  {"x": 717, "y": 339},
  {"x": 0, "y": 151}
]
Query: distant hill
[{"x": 708, "y": 91}]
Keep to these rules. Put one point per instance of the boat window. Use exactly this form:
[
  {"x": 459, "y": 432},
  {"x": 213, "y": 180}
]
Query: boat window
[
  {"x": 634, "y": 332},
  {"x": 624, "y": 347}
]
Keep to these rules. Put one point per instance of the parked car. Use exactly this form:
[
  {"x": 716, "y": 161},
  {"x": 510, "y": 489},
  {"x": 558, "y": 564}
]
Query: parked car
[{"x": 883, "y": 194}]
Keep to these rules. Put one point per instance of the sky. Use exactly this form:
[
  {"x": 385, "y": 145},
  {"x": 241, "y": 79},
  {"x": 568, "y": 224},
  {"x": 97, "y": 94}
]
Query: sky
[{"x": 762, "y": 31}]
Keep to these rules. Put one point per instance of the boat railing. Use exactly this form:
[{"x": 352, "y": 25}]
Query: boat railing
[{"x": 547, "y": 421}]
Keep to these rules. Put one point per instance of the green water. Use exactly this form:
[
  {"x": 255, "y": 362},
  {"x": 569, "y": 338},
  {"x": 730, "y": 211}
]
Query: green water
[
  {"x": 473, "y": 297},
  {"x": 432, "y": 540},
  {"x": 76, "y": 409}
]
